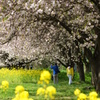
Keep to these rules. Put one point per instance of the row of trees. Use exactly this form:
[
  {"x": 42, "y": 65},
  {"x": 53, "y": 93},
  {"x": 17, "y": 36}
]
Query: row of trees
[{"x": 65, "y": 30}]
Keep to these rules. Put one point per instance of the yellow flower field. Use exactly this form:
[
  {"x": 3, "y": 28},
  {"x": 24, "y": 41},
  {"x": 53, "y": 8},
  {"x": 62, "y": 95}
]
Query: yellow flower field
[
  {"x": 21, "y": 84},
  {"x": 14, "y": 76},
  {"x": 19, "y": 75}
]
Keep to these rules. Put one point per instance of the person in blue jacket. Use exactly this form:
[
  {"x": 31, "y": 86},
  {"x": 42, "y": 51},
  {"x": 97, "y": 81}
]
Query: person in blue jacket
[{"x": 55, "y": 73}]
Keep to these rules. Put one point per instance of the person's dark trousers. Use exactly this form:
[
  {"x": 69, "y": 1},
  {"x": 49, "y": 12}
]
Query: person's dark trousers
[{"x": 55, "y": 78}]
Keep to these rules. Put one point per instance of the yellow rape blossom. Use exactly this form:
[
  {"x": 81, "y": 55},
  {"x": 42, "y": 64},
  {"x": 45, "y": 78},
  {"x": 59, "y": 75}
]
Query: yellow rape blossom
[
  {"x": 40, "y": 82},
  {"x": 17, "y": 97},
  {"x": 30, "y": 99},
  {"x": 0, "y": 86},
  {"x": 14, "y": 99},
  {"x": 82, "y": 96},
  {"x": 21, "y": 94},
  {"x": 23, "y": 99},
  {"x": 77, "y": 92},
  {"x": 40, "y": 91},
  {"x": 24, "y": 94},
  {"x": 93, "y": 95},
  {"x": 5, "y": 85},
  {"x": 47, "y": 92},
  {"x": 45, "y": 75},
  {"x": 19, "y": 89},
  {"x": 50, "y": 91}
]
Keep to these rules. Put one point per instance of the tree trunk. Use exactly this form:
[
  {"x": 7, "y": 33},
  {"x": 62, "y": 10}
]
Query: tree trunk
[
  {"x": 96, "y": 74},
  {"x": 88, "y": 67},
  {"x": 87, "y": 64},
  {"x": 94, "y": 59},
  {"x": 95, "y": 68},
  {"x": 81, "y": 70},
  {"x": 97, "y": 63},
  {"x": 92, "y": 76}
]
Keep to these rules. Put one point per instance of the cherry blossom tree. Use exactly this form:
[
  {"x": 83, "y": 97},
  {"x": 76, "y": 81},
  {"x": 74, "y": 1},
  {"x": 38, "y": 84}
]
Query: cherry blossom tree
[{"x": 65, "y": 30}]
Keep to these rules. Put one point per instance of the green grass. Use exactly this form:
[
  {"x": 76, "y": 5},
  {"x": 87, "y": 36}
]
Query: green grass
[{"x": 64, "y": 91}]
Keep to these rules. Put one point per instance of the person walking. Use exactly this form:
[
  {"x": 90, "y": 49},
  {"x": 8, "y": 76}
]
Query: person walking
[
  {"x": 55, "y": 73},
  {"x": 70, "y": 74}
]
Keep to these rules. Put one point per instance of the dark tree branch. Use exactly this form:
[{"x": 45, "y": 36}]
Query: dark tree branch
[
  {"x": 62, "y": 63},
  {"x": 96, "y": 2},
  {"x": 9, "y": 38},
  {"x": 64, "y": 25}
]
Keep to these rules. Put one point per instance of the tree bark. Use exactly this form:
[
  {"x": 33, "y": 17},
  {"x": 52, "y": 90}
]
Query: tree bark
[
  {"x": 96, "y": 74},
  {"x": 81, "y": 70},
  {"x": 97, "y": 63},
  {"x": 94, "y": 60},
  {"x": 88, "y": 67},
  {"x": 62, "y": 63}
]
